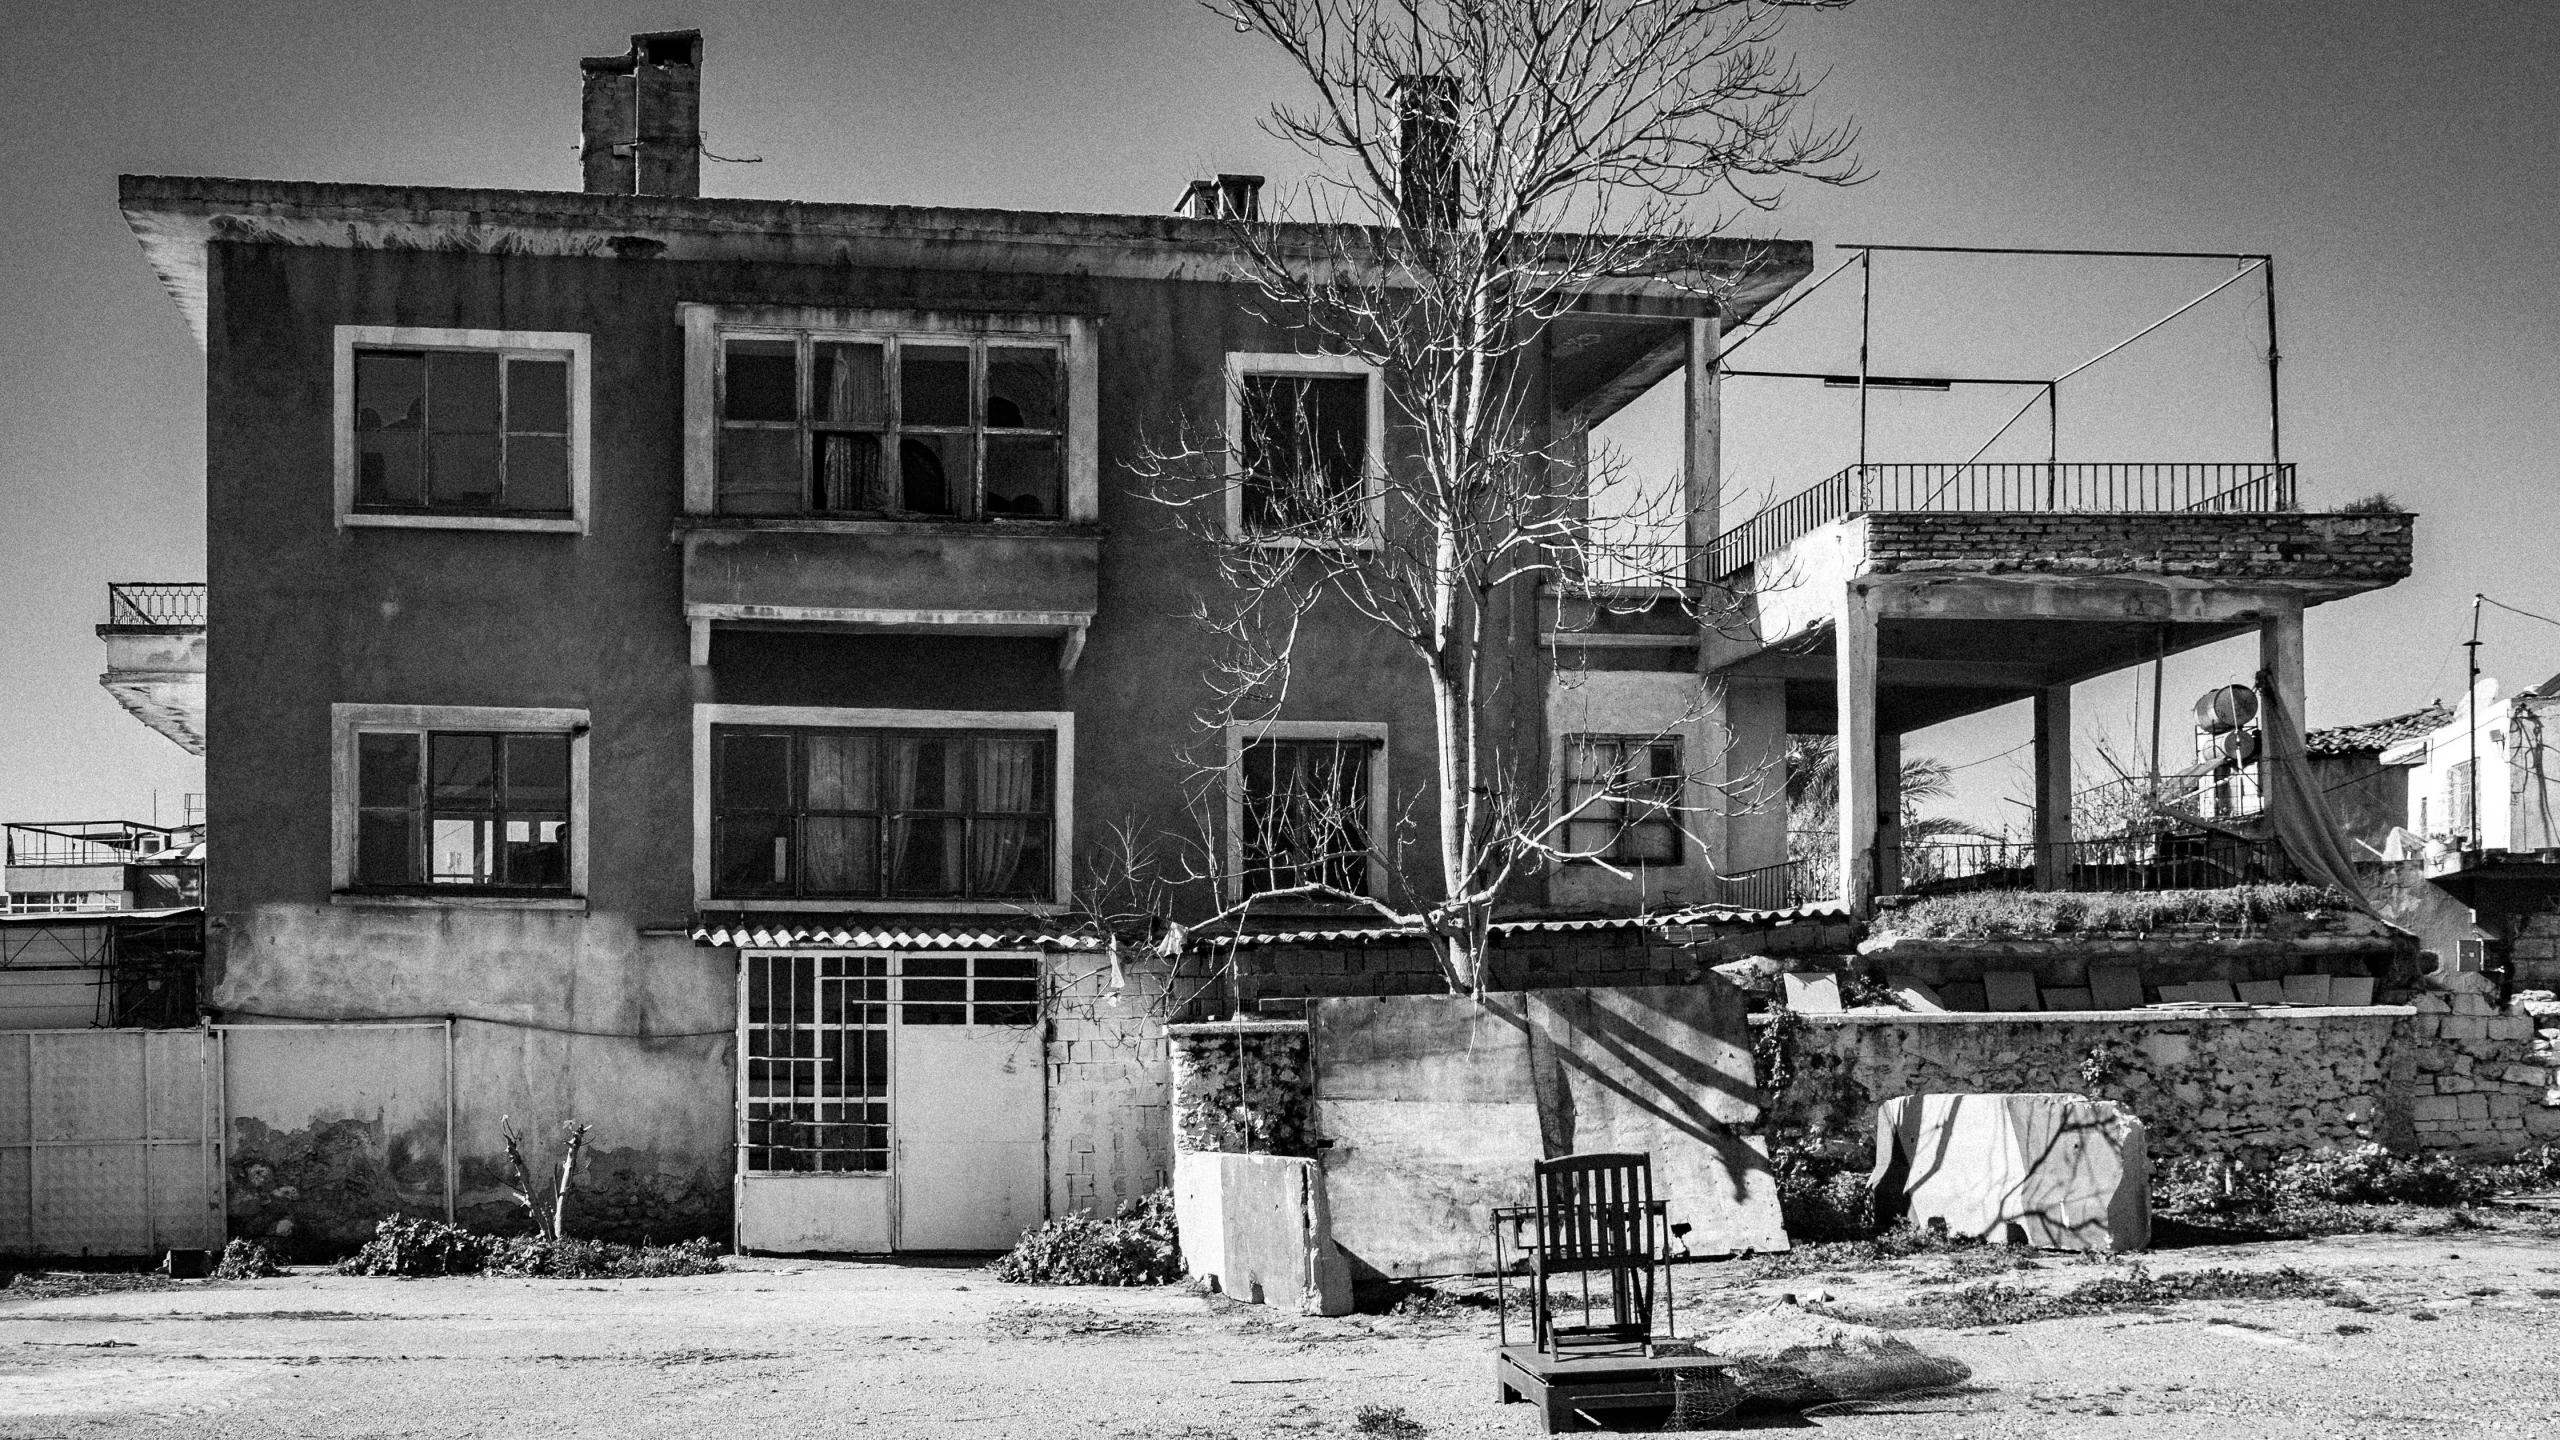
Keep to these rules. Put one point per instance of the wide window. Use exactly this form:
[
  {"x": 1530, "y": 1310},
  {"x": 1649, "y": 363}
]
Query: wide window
[
  {"x": 925, "y": 426},
  {"x": 464, "y": 810},
  {"x": 1304, "y": 434},
  {"x": 1306, "y": 814},
  {"x": 881, "y": 814},
  {"x": 1622, "y": 797},
  {"x": 461, "y": 428}
]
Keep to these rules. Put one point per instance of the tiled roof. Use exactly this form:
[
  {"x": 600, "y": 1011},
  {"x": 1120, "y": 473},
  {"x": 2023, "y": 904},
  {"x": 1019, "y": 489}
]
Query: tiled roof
[{"x": 2378, "y": 734}]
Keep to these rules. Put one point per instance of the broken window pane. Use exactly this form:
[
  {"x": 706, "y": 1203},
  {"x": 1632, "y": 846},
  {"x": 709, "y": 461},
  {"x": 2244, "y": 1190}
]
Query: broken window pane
[
  {"x": 933, "y": 385},
  {"x": 1304, "y": 451},
  {"x": 759, "y": 472},
  {"x": 391, "y": 413},
  {"x": 459, "y": 850},
  {"x": 850, "y": 385},
  {"x": 933, "y": 472},
  {"x": 1022, "y": 388},
  {"x": 763, "y": 381},
  {"x": 1306, "y": 805},
  {"x": 846, "y": 469},
  {"x": 1022, "y": 475}
]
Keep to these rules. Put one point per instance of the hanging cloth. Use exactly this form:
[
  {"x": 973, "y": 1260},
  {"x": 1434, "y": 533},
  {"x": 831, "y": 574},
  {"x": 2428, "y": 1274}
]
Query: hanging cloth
[{"x": 2295, "y": 805}]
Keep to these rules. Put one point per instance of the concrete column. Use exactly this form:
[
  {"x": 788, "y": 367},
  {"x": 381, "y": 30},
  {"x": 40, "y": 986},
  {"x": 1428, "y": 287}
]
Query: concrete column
[
  {"x": 1702, "y": 467},
  {"x": 2280, "y": 658},
  {"x": 1888, "y": 812},
  {"x": 2053, "y": 787},
  {"x": 1747, "y": 728},
  {"x": 1854, "y": 635}
]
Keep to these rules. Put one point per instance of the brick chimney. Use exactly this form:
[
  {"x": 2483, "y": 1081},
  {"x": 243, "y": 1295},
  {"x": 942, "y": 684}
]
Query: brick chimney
[
  {"x": 640, "y": 118},
  {"x": 1427, "y": 152}
]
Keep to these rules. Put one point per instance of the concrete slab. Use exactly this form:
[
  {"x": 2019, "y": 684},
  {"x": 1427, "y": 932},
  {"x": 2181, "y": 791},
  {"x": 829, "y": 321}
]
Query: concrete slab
[
  {"x": 1964, "y": 995},
  {"x": 2262, "y": 992},
  {"x": 1813, "y": 993},
  {"x": 1260, "y": 1228},
  {"x": 2116, "y": 987},
  {"x": 2069, "y": 998},
  {"x": 1915, "y": 994},
  {"x": 1435, "y": 1106},
  {"x": 2350, "y": 990},
  {"x": 2009, "y": 990},
  {"x": 2306, "y": 989},
  {"x": 2060, "y": 1172}
]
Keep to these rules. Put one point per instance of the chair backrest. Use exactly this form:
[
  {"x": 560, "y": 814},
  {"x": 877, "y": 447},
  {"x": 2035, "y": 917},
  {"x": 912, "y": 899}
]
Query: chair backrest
[{"x": 1594, "y": 1211}]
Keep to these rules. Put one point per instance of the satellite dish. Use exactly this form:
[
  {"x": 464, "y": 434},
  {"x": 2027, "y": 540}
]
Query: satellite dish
[{"x": 2226, "y": 709}]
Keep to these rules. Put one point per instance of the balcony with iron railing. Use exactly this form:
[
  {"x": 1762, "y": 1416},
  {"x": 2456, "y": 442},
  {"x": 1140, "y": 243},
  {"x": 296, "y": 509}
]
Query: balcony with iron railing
[
  {"x": 2115, "y": 488},
  {"x": 154, "y": 604}
]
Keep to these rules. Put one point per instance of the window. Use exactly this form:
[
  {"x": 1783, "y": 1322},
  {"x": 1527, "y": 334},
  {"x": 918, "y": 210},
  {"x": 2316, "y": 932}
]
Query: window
[
  {"x": 466, "y": 428},
  {"x": 969, "y": 990},
  {"x": 878, "y": 813},
  {"x": 817, "y": 1052},
  {"x": 1622, "y": 797},
  {"x": 1305, "y": 433},
  {"x": 883, "y": 415},
  {"x": 442, "y": 803},
  {"x": 1309, "y": 807}
]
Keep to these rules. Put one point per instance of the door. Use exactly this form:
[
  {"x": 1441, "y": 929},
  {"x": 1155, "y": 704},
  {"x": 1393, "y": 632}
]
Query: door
[
  {"x": 813, "y": 1104},
  {"x": 970, "y": 1101},
  {"x": 889, "y": 1102}
]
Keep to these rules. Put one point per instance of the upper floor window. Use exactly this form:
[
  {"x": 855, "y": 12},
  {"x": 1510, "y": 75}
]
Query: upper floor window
[
  {"x": 460, "y": 800},
  {"x": 802, "y": 812},
  {"x": 461, "y": 428},
  {"x": 888, "y": 415},
  {"x": 1622, "y": 797},
  {"x": 1309, "y": 803},
  {"x": 1304, "y": 440}
]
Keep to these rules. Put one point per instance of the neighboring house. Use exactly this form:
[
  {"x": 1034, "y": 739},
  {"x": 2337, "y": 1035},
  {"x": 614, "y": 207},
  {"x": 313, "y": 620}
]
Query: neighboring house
[
  {"x": 689, "y": 644},
  {"x": 62, "y": 867},
  {"x": 2370, "y": 798}
]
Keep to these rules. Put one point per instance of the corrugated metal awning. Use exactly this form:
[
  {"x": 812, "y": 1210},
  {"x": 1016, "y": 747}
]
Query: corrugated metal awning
[{"x": 857, "y": 932}]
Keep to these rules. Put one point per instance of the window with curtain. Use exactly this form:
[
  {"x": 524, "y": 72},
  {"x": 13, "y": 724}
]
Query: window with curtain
[
  {"x": 1306, "y": 813},
  {"x": 881, "y": 814},
  {"x": 447, "y": 810},
  {"x": 473, "y": 432},
  {"x": 1622, "y": 797},
  {"x": 947, "y": 426}
]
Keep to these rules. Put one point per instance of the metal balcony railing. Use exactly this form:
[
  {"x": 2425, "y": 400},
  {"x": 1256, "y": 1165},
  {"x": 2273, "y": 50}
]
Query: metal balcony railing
[
  {"x": 2118, "y": 864},
  {"x": 146, "y": 602},
  {"x": 2097, "y": 487}
]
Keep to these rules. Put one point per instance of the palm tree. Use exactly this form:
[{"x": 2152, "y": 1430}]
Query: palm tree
[{"x": 1813, "y": 810}]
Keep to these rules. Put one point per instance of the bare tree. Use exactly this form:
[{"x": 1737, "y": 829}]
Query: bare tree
[{"x": 1478, "y": 166}]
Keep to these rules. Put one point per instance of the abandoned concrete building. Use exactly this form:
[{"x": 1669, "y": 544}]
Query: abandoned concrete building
[{"x": 675, "y": 654}]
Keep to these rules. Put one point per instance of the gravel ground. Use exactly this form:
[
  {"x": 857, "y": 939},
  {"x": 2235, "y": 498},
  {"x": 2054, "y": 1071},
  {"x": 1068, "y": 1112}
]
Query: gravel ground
[{"x": 777, "y": 1348}]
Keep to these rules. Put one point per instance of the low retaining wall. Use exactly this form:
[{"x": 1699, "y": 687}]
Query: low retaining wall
[
  {"x": 2253, "y": 1083},
  {"x": 1260, "y": 1229}
]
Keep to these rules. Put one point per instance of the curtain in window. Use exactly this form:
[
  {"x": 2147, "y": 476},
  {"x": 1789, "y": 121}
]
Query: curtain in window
[
  {"x": 999, "y": 842},
  {"x": 926, "y": 840}
]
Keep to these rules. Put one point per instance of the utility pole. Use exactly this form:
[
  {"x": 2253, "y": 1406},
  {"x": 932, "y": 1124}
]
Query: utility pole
[{"x": 2471, "y": 722}]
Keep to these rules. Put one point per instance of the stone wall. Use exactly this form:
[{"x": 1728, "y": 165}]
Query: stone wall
[
  {"x": 2367, "y": 549},
  {"x": 1242, "y": 1086},
  {"x": 2255, "y": 1084},
  {"x": 1109, "y": 1137},
  {"x": 2535, "y": 951}
]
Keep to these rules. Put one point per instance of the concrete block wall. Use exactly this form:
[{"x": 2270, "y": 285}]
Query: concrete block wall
[
  {"x": 1521, "y": 960},
  {"x": 1110, "y": 1138},
  {"x": 2535, "y": 951},
  {"x": 2294, "y": 546}
]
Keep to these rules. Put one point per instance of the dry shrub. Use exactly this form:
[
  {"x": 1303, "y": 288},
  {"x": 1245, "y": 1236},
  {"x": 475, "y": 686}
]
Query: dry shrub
[{"x": 1138, "y": 1246}]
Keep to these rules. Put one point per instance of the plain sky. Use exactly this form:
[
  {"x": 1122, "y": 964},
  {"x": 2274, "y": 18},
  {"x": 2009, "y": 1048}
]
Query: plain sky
[{"x": 2396, "y": 158}]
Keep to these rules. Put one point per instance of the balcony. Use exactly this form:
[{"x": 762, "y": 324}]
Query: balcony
[
  {"x": 891, "y": 577},
  {"x": 155, "y": 635},
  {"x": 2108, "y": 488}
]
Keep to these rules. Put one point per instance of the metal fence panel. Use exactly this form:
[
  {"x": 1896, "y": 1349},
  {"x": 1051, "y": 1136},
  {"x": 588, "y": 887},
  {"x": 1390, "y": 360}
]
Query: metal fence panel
[{"x": 105, "y": 1147}]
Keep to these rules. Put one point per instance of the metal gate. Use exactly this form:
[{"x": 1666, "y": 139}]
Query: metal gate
[
  {"x": 109, "y": 1142},
  {"x": 889, "y": 1102}
]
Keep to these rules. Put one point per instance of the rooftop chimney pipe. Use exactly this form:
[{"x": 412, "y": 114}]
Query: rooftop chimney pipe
[
  {"x": 1427, "y": 152},
  {"x": 640, "y": 117}
]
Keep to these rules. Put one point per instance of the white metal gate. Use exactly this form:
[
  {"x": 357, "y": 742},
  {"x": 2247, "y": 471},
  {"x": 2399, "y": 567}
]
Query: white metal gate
[
  {"x": 889, "y": 1102},
  {"x": 108, "y": 1142}
]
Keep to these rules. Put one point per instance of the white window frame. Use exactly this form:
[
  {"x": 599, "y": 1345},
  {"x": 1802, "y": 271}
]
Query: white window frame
[
  {"x": 1244, "y": 363},
  {"x": 705, "y": 325},
  {"x": 1241, "y": 733},
  {"x": 346, "y": 722},
  {"x": 1061, "y": 724},
  {"x": 575, "y": 344}
]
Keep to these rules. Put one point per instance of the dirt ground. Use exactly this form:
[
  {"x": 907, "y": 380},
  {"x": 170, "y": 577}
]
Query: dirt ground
[{"x": 2457, "y": 1338}]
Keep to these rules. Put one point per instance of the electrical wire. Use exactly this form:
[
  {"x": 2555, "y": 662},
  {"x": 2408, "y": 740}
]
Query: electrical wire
[
  {"x": 2529, "y": 615},
  {"x": 482, "y": 1020}
]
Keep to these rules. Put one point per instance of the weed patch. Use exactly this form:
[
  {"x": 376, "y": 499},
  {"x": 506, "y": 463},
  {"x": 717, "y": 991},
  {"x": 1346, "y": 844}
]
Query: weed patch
[
  {"x": 1138, "y": 1246},
  {"x": 1389, "y": 1421},
  {"x": 72, "y": 1284},
  {"x": 2003, "y": 1303},
  {"x": 246, "y": 1260},
  {"x": 402, "y": 1246},
  {"x": 1984, "y": 914}
]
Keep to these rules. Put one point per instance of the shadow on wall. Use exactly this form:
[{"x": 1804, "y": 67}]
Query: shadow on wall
[{"x": 316, "y": 1192}]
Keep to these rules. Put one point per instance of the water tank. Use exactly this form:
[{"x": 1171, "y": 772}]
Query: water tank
[{"x": 2226, "y": 709}]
